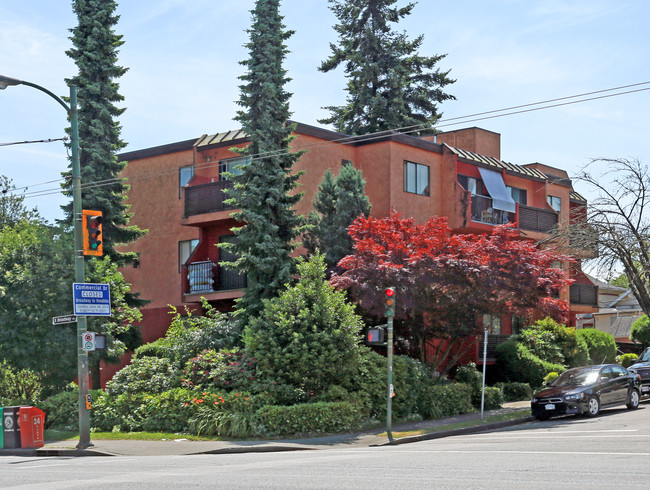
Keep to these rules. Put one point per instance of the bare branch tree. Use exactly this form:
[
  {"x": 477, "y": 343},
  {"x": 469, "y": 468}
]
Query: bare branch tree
[{"x": 620, "y": 218}]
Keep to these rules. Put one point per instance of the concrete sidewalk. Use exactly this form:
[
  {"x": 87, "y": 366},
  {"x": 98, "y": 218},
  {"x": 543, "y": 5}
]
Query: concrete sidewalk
[{"x": 183, "y": 446}]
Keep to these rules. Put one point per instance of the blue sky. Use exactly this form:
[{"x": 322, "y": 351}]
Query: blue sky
[{"x": 183, "y": 59}]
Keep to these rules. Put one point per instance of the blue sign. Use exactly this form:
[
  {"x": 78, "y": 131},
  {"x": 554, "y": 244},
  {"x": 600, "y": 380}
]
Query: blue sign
[{"x": 91, "y": 299}]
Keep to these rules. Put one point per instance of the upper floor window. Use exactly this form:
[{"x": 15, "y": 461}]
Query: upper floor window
[
  {"x": 555, "y": 202},
  {"x": 492, "y": 324},
  {"x": 475, "y": 186},
  {"x": 416, "y": 178},
  {"x": 232, "y": 166},
  {"x": 185, "y": 174},
  {"x": 518, "y": 195},
  {"x": 185, "y": 249}
]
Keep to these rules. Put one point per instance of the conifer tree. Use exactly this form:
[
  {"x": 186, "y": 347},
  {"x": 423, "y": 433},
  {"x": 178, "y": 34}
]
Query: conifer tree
[
  {"x": 264, "y": 191},
  {"x": 389, "y": 85},
  {"x": 339, "y": 201},
  {"x": 95, "y": 50}
]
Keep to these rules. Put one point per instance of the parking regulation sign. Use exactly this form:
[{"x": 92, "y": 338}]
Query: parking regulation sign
[{"x": 91, "y": 299}]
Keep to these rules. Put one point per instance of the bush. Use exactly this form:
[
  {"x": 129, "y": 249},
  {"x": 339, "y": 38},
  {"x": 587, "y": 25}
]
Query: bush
[
  {"x": 447, "y": 400},
  {"x": 410, "y": 379},
  {"x": 602, "y": 347},
  {"x": 493, "y": 398},
  {"x": 550, "y": 377},
  {"x": 144, "y": 375},
  {"x": 369, "y": 385},
  {"x": 227, "y": 415},
  {"x": 308, "y": 418},
  {"x": 556, "y": 343},
  {"x": 626, "y": 360},
  {"x": 640, "y": 331},
  {"x": 225, "y": 370},
  {"x": 513, "y": 392},
  {"x": 19, "y": 387},
  {"x": 516, "y": 363},
  {"x": 470, "y": 375},
  {"x": 62, "y": 409}
]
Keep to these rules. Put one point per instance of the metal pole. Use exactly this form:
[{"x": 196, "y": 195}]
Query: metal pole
[
  {"x": 484, "y": 361},
  {"x": 389, "y": 401},
  {"x": 80, "y": 273}
]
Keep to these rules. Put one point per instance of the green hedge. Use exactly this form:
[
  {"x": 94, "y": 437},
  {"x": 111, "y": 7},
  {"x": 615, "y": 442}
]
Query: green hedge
[
  {"x": 438, "y": 401},
  {"x": 515, "y": 391},
  {"x": 602, "y": 346},
  {"x": 516, "y": 363},
  {"x": 626, "y": 360},
  {"x": 493, "y": 398},
  {"x": 307, "y": 418}
]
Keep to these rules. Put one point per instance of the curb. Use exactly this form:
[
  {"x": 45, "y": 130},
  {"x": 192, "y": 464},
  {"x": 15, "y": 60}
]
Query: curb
[
  {"x": 457, "y": 432},
  {"x": 257, "y": 449}
]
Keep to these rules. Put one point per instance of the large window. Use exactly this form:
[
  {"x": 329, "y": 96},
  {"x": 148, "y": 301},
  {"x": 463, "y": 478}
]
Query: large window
[
  {"x": 185, "y": 249},
  {"x": 518, "y": 195},
  {"x": 232, "y": 166},
  {"x": 185, "y": 174},
  {"x": 416, "y": 178},
  {"x": 475, "y": 186},
  {"x": 492, "y": 324},
  {"x": 555, "y": 202}
]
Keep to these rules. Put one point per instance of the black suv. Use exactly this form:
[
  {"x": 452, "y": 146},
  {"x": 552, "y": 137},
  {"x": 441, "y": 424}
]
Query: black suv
[{"x": 642, "y": 367}]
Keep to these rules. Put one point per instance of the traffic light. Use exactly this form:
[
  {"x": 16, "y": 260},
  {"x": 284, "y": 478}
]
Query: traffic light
[
  {"x": 375, "y": 336},
  {"x": 389, "y": 302},
  {"x": 92, "y": 232}
]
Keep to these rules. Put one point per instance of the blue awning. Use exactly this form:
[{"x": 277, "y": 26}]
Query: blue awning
[{"x": 501, "y": 198}]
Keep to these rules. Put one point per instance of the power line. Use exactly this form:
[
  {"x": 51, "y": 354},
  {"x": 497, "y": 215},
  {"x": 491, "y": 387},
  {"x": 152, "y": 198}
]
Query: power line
[{"x": 529, "y": 107}]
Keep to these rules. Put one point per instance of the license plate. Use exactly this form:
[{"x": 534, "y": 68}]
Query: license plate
[
  {"x": 550, "y": 406},
  {"x": 645, "y": 389}
]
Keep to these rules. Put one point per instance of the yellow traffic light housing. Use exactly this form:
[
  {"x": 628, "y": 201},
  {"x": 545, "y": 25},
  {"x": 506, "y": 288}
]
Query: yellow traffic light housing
[{"x": 92, "y": 232}]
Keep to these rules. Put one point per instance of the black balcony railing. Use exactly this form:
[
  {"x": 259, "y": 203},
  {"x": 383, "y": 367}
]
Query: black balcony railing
[
  {"x": 483, "y": 212},
  {"x": 583, "y": 294},
  {"x": 206, "y": 198},
  {"x": 536, "y": 219}
]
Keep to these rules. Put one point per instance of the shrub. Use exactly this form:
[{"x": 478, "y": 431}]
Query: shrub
[
  {"x": 227, "y": 415},
  {"x": 640, "y": 331},
  {"x": 144, "y": 375},
  {"x": 626, "y": 360},
  {"x": 493, "y": 398},
  {"x": 470, "y": 375},
  {"x": 602, "y": 347},
  {"x": 307, "y": 418},
  {"x": 225, "y": 370},
  {"x": 19, "y": 387},
  {"x": 556, "y": 343},
  {"x": 308, "y": 336},
  {"x": 516, "y": 363},
  {"x": 550, "y": 377},
  {"x": 447, "y": 400},
  {"x": 62, "y": 409},
  {"x": 514, "y": 391},
  {"x": 410, "y": 379},
  {"x": 369, "y": 386}
]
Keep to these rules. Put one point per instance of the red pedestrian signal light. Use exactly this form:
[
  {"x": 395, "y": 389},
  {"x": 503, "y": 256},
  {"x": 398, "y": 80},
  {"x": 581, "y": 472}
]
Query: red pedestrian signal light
[
  {"x": 92, "y": 232},
  {"x": 375, "y": 336},
  {"x": 389, "y": 302}
]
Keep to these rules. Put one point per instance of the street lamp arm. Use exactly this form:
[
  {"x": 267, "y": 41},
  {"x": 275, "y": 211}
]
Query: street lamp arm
[{"x": 7, "y": 81}]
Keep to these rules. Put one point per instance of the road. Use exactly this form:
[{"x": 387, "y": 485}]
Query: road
[{"x": 609, "y": 451}]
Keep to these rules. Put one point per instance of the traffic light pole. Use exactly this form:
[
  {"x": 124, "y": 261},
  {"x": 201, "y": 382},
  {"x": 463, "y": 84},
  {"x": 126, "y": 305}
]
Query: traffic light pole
[{"x": 389, "y": 400}]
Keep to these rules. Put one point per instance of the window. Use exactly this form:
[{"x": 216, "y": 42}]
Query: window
[
  {"x": 232, "y": 166},
  {"x": 475, "y": 186},
  {"x": 185, "y": 249},
  {"x": 492, "y": 323},
  {"x": 518, "y": 195},
  {"x": 555, "y": 202},
  {"x": 416, "y": 178},
  {"x": 185, "y": 174}
]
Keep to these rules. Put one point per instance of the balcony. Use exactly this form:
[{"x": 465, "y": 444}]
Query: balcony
[
  {"x": 207, "y": 277},
  {"x": 583, "y": 294},
  {"x": 483, "y": 212},
  {"x": 206, "y": 198},
  {"x": 536, "y": 219}
]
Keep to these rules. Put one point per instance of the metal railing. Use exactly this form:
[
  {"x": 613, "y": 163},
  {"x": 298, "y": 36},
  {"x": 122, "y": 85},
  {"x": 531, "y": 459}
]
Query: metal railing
[
  {"x": 483, "y": 212},
  {"x": 200, "y": 276},
  {"x": 536, "y": 219},
  {"x": 206, "y": 198}
]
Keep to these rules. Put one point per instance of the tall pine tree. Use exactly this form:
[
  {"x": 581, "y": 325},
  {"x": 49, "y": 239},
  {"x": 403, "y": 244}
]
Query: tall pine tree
[
  {"x": 390, "y": 85},
  {"x": 340, "y": 200},
  {"x": 95, "y": 54},
  {"x": 264, "y": 190}
]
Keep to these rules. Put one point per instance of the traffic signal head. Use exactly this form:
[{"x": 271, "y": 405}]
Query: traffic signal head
[
  {"x": 375, "y": 336},
  {"x": 92, "y": 232},
  {"x": 389, "y": 302}
]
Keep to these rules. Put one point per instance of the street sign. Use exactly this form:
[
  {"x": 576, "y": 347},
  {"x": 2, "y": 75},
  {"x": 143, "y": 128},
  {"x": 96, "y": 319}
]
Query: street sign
[
  {"x": 58, "y": 320},
  {"x": 91, "y": 299},
  {"x": 88, "y": 341}
]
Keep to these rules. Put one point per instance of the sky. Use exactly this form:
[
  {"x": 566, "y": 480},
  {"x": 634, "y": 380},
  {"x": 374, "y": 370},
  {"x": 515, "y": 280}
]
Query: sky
[{"x": 183, "y": 68}]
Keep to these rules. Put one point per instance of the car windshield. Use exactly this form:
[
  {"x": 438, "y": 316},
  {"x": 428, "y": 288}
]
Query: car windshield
[
  {"x": 645, "y": 356},
  {"x": 579, "y": 377}
]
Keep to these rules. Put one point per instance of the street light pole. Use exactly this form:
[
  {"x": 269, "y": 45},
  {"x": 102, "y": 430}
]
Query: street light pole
[{"x": 80, "y": 274}]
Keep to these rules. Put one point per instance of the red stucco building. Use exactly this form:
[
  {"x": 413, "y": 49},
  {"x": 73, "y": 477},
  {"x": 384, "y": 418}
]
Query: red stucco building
[{"x": 177, "y": 195}]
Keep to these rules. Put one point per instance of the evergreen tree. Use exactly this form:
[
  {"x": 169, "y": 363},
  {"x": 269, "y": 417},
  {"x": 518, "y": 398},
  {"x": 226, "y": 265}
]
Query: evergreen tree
[
  {"x": 264, "y": 190},
  {"x": 390, "y": 85},
  {"x": 95, "y": 54},
  {"x": 339, "y": 201}
]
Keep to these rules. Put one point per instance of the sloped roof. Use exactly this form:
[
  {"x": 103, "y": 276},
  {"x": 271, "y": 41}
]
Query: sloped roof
[
  {"x": 496, "y": 163},
  {"x": 214, "y": 139},
  {"x": 574, "y": 196}
]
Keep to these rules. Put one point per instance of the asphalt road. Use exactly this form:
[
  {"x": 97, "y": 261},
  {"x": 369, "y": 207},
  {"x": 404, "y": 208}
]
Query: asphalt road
[{"x": 609, "y": 451}]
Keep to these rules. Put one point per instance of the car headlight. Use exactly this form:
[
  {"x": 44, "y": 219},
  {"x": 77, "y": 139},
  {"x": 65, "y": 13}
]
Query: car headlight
[{"x": 575, "y": 396}]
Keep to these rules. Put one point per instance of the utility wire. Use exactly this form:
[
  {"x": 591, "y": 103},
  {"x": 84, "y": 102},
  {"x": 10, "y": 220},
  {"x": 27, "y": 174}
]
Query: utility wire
[{"x": 363, "y": 138}]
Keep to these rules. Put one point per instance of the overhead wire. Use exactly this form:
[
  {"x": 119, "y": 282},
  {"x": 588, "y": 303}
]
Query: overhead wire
[{"x": 347, "y": 139}]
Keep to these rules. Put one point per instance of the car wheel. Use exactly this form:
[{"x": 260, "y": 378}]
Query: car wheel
[
  {"x": 593, "y": 406},
  {"x": 633, "y": 400}
]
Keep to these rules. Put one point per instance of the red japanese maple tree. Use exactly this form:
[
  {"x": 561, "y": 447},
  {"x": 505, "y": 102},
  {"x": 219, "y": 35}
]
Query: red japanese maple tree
[{"x": 446, "y": 282}]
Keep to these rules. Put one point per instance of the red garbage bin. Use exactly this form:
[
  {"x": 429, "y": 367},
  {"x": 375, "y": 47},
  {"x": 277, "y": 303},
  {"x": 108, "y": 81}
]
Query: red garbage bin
[{"x": 32, "y": 420}]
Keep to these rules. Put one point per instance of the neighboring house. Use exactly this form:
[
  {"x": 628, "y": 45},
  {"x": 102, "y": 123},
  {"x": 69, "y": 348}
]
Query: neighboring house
[
  {"x": 177, "y": 195},
  {"x": 618, "y": 309}
]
